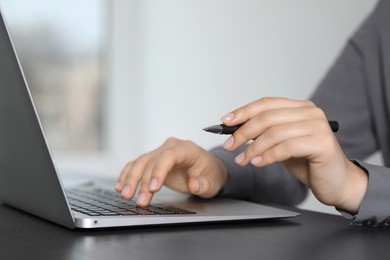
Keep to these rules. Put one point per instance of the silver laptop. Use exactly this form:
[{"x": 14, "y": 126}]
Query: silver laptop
[{"x": 30, "y": 182}]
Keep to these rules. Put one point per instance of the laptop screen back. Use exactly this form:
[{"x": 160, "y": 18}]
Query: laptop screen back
[{"x": 28, "y": 179}]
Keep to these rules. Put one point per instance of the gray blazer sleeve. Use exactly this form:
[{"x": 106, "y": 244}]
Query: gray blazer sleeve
[
  {"x": 356, "y": 92},
  {"x": 272, "y": 184}
]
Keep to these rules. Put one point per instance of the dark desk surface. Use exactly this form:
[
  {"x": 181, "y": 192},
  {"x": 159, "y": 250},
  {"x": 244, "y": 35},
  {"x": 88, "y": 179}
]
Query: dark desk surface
[{"x": 309, "y": 236}]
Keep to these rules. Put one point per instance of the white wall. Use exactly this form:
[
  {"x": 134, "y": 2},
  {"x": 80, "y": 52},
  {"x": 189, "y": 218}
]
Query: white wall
[
  {"x": 183, "y": 64},
  {"x": 178, "y": 66}
]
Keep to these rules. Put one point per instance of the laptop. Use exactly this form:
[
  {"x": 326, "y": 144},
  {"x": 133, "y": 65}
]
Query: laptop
[{"x": 29, "y": 180}]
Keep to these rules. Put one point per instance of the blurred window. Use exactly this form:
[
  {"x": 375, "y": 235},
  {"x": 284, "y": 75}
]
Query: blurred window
[{"x": 61, "y": 47}]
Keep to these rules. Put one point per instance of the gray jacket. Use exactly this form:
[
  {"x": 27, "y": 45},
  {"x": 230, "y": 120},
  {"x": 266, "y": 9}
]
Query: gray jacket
[{"x": 355, "y": 92}]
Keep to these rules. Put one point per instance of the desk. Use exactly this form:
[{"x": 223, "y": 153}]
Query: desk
[{"x": 309, "y": 236}]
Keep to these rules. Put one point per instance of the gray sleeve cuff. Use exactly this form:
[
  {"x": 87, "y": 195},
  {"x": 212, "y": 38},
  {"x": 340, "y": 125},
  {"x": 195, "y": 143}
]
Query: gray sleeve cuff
[{"x": 375, "y": 207}]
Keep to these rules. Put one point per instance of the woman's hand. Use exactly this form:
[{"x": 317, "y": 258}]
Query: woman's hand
[
  {"x": 297, "y": 133},
  {"x": 181, "y": 165}
]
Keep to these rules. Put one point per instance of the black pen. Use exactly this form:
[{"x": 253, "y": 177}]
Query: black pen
[{"x": 228, "y": 130}]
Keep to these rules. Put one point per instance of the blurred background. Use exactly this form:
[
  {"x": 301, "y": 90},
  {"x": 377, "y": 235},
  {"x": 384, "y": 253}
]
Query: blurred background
[{"x": 114, "y": 79}]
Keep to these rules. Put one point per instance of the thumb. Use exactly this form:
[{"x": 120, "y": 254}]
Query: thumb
[{"x": 201, "y": 186}]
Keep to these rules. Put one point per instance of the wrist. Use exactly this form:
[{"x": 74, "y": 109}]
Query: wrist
[{"x": 356, "y": 188}]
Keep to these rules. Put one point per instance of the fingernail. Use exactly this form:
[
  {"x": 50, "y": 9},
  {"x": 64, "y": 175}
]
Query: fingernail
[
  {"x": 118, "y": 186},
  {"x": 196, "y": 185},
  {"x": 228, "y": 143},
  {"x": 126, "y": 191},
  {"x": 240, "y": 158},
  {"x": 153, "y": 185},
  {"x": 227, "y": 118},
  {"x": 141, "y": 199},
  {"x": 257, "y": 160}
]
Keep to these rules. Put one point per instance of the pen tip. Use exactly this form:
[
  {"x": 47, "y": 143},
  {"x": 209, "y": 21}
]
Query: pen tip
[{"x": 213, "y": 129}]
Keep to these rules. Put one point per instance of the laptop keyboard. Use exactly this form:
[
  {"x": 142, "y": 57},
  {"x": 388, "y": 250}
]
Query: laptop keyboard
[{"x": 101, "y": 202}]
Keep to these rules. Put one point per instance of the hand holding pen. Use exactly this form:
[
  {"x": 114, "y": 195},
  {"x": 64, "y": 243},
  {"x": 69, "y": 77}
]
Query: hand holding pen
[
  {"x": 272, "y": 123},
  {"x": 297, "y": 134}
]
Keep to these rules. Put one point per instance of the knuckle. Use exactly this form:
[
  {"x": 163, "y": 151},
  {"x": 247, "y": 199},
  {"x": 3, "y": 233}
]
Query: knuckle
[
  {"x": 171, "y": 141},
  {"x": 166, "y": 153},
  {"x": 242, "y": 134},
  {"x": 142, "y": 159},
  {"x": 244, "y": 110},
  {"x": 266, "y": 100},
  {"x": 188, "y": 144},
  {"x": 128, "y": 164},
  {"x": 325, "y": 140},
  {"x": 287, "y": 147},
  {"x": 258, "y": 120},
  {"x": 322, "y": 125},
  {"x": 266, "y": 116},
  {"x": 263, "y": 102},
  {"x": 272, "y": 155},
  {"x": 131, "y": 178},
  {"x": 278, "y": 153},
  {"x": 290, "y": 147},
  {"x": 308, "y": 103},
  {"x": 273, "y": 132},
  {"x": 318, "y": 112},
  {"x": 247, "y": 109}
]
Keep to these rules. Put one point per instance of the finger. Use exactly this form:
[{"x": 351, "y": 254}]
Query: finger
[
  {"x": 134, "y": 171},
  {"x": 144, "y": 195},
  {"x": 166, "y": 162},
  {"x": 272, "y": 137},
  {"x": 180, "y": 157},
  {"x": 133, "y": 176},
  {"x": 194, "y": 186},
  {"x": 122, "y": 177},
  {"x": 201, "y": 187},
  {"x": 319, "y": 129},
  {"x": 298, "y": 148},
  {"x": 307, "y": 147},
  {"x": 244, "y": 113},
  {"x": 270, "y": 118}
]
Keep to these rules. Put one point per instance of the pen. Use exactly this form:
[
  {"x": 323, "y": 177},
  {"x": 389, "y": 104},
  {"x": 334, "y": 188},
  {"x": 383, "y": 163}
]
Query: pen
[{"x": 228, "y": 130}]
